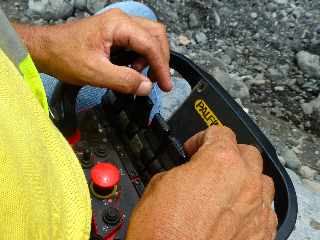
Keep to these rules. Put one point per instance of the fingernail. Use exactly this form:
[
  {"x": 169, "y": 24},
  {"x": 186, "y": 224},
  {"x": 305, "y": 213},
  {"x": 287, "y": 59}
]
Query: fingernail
[{"x": 144, "y": 88}]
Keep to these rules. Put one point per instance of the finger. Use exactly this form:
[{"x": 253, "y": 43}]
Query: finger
[
  {"x": 270, "y": 224},
  {"x": 212, "y": 135},
  {"x": 192, "y": 145},
  {"x": 142, "y": 42},
  {"x": 155, "y": 180},
  {"x": 253, "y": 228},
  {"x": 252, "y": 157},
  {"x": 122, "y": 79},
  {"x": 268, "y": 190},
  {"x": 157, "y": 30},
  {"x": 273, "y": 224}
]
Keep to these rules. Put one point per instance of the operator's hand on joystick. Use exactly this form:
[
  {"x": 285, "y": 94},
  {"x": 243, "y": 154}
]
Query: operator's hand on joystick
[
  {"x": 79, "y": 52},
  {"x": 220, "y": 194}
]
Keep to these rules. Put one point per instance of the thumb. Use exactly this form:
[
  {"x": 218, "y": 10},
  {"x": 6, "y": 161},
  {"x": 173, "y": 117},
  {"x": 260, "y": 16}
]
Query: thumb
[{"x": 123, "y": 79}]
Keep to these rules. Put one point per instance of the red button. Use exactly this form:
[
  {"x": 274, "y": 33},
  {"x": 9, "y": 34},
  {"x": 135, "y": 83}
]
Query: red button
[{"x": 105, "y": 175}]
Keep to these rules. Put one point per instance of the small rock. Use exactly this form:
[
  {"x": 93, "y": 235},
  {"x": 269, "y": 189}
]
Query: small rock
[
  {"x": 274, "y": 74},
  {"x": 80, "y": 4},
  {"x": 222, "y": 77},
  {"x": 297, "y": 12},
  {"x": 316, "y": 103},
  {"x": 239, "y": 90},
  {"x": 293, "y": 162},
  {"x": 307, "y": 108},
  {"x": 281, "y": 1},
  {"x": 184, "y": 40},
  {"x": 231, "y": 52},
  {"x": 217, "y": 18},
  {"x": 51, "y": 9},
  {"x": 253, "y": 15},
  {"x": 300, "y": 80},
  {"x": 70, "y": 19},
  {"x": 279, "y": 88},
  {"x": 94, "y": 6},
  {"x": 312, "y": 185},
  {"x": 315, "y": 224},
  {"x": 40, "y": 22},
  {"x": 309, "y": 63},
  {"x": 258, "y": 82},
  {"x": 226, "y": 59},
  {"x": 201, "y": 38},
  {"x": 317, "y": 178},
  {"x": 272, "y": 7},
  {"x": 307, "y": 172},
  {"x": 194, "y": 20},
  {"x": 215, "y": 63},
  {"x": 311, "y": 107},
  {"x": 218, "y": 3}
]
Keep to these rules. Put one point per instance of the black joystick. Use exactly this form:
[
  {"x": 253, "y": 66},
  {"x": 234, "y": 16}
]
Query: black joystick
[{"x": 111, "y": 216}]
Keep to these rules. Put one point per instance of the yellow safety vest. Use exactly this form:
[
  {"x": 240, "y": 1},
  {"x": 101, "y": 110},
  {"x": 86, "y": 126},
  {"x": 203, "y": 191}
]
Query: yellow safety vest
[{"x": 43, "y": 191}]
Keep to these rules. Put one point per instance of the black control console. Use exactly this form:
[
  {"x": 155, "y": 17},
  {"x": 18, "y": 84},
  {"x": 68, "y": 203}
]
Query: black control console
[
  {"x": 113, "y": 190},
  {"x": 120, "y": 149}
]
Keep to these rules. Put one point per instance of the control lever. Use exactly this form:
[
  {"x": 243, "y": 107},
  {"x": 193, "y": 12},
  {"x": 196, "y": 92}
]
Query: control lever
[{"x": 209, "y": 104}]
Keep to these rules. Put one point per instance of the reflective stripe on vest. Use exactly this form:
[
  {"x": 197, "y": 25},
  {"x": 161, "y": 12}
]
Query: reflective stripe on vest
[{"x": 13, "y": 47}]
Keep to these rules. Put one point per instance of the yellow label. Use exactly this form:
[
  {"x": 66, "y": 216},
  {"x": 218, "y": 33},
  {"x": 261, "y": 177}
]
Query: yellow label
[{"x": 206, "y": 113}]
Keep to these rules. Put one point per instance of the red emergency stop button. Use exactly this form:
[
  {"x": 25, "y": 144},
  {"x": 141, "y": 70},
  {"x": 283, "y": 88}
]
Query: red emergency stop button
[{"x": 105, "y": 178}]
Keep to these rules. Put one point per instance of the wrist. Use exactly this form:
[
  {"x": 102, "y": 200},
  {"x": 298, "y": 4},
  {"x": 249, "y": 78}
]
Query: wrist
[{"x": 38, "y": 40}]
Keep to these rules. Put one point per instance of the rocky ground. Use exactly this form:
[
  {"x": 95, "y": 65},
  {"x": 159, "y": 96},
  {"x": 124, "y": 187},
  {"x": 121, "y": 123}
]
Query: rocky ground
[{"x": 266, "y": 53}]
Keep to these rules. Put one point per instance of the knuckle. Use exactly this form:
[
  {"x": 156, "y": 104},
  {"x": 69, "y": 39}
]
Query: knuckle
[
  {"x": 149, "y": 46},
  {"x": 156, "y": 178},
  {"x": 228, "y": 131},
  {"x": 125, "y": 83},
  {"x": 226, "y": 153},
  {"x": 116, "y": 11},
  {"x": 222, "y": 132},
  {"x": 274, "y": 219},
  {"x": 268, "y": 181},
  {"x": 256, "y": 186},
  {"x": 161, "y": 28},
  {"x": 255, "y": 156},
  {"x": 253, "y": 149}
]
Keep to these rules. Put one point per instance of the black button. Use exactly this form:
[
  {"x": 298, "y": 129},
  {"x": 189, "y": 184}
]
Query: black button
[
  {"x": 84, "y": 157},
  {"x": 101, "y": 150},
  {"x": 111, "y": 216}
]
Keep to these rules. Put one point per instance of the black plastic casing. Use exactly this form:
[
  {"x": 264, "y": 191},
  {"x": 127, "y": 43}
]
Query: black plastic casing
[
  {"x": 231, "y": 114},
  {"x": 185, "y": 122}
]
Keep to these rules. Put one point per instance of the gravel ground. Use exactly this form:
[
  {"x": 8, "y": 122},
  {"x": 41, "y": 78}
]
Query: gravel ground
[{"x": 265, "y": 53}]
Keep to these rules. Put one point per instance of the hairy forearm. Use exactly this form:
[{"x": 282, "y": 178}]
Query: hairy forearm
[{"x": 37, "y": 40}]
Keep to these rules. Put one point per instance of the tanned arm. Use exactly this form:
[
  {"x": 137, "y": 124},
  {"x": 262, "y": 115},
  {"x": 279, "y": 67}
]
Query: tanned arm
[{"x": 78, "y": 52}]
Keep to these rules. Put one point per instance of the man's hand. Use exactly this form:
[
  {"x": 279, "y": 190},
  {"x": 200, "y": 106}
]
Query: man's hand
[
  {"x": 79, "y": 52},
  {"x": 220, "y": 194}
]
